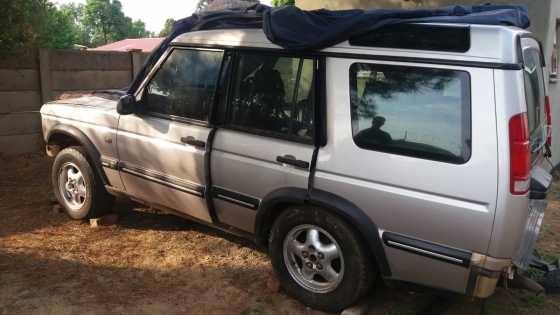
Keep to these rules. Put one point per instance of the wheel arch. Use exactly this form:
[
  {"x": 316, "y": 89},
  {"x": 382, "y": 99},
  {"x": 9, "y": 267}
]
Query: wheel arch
[
  {"x": 275, "y": 202},
  {"x": 63, "y": 136}
]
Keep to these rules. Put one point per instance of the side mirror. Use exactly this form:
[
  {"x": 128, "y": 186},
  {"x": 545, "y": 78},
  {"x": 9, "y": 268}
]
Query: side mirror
[{"x": 126, "y": 105}]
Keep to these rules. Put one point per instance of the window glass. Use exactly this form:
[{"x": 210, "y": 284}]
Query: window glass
[
  {"x": 273, "y": 95},
  {"x": 411, "y": 111},
  {"x": 184, "y": 86},
  {"x": 417, "y": 36},
  {"x": 534, "y": 86}
]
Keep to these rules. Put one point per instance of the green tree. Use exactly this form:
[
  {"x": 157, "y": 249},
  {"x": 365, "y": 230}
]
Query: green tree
[
  {"x": 106, "y": 20},
  {"x": 34, "y": 23},
  {"x": 58, "y": 29},
  {"x": 77, "y": 12},
  {"x": 167, "y": 28},
  {"x": 279, "y": 3},
  {"x": 137, "y": 29}
]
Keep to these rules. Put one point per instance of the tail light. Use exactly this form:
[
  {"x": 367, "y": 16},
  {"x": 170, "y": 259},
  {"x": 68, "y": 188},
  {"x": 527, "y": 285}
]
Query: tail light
[
  {"x": 548, "y": 112},
  {"x": 519, "y": 154}
]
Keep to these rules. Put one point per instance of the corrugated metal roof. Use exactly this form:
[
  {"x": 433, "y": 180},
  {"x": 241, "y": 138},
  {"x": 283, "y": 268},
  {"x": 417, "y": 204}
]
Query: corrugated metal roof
[{"x": 144, "y": 44}]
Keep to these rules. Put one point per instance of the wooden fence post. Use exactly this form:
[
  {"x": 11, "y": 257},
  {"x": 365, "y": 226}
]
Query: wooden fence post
[{"x": 45, "y": 75}]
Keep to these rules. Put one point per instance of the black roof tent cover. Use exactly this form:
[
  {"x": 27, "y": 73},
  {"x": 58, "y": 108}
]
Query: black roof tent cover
[{"x": 295, "y": 29}]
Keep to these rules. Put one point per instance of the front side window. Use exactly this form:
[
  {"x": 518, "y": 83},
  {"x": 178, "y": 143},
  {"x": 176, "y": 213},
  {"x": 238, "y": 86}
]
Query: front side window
[
  {"x": 185, "y": 84},
  {"x": 273, "y": 95},
  {"x": 411, "y": 111}
]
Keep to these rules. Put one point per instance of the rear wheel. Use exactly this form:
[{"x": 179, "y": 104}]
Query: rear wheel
[
  {"x": 77, "y": 187},
  {"x": 319, "y": 259}
]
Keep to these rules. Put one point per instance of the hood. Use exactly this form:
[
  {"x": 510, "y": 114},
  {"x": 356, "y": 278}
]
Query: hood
[
  {"x": 90, "y": 100},
  {"x": 90, "y": 109}
]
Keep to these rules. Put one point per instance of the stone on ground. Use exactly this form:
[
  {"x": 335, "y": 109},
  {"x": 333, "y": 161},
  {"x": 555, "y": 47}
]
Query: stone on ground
[{"x": 110, "y": 219}]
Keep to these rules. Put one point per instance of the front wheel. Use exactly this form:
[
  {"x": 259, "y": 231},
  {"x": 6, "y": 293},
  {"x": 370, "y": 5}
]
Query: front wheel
[
  {"x": 319, "y": 259},
  {"x": 77, "y": 187}
]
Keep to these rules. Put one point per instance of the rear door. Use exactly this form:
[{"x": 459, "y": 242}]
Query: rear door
[{"x": 265, "y": 141}]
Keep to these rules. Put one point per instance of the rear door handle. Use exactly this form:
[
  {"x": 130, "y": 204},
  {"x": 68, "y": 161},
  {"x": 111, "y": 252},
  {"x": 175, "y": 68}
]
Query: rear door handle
[
  {"x": 192, "y": 141},
  {"x": 291, "y": 160}
]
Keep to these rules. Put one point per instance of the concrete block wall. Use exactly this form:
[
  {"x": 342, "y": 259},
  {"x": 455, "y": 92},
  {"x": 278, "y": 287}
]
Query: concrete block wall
[
  {"x": 29, "y": 78},
  {"x": 20, "y": 100}
]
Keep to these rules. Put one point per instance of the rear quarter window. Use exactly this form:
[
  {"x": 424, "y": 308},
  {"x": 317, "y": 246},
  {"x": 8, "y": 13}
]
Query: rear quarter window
[
  {"x": 534, "y": 92},
  {"x": 412, "y": 111}
]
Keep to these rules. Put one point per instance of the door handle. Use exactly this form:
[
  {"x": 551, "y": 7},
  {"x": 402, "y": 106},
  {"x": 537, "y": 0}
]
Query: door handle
[
  {"x": 192, "y": 141},
  {"x": 291, "y": 160}
]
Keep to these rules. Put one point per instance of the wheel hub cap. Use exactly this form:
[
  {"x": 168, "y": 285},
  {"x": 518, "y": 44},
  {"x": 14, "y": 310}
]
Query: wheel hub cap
[
  {"x": 313, "y": 258},
  {"x": 72, "y": 186}
]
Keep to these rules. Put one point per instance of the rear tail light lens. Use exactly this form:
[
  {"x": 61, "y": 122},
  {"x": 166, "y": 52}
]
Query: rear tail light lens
[
  {"x": 520, "y": 154},
  {"x": 548, "y": 112}
]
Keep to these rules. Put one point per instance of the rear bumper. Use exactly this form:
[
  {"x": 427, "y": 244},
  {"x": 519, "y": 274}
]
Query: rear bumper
[
  {"x": 531, "y": 233},
  {"x": 485, "y": 272}
]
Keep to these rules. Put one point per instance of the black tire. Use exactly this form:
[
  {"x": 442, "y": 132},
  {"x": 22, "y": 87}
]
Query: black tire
[
  {"x": 97, "y": 201},
  {"x": 359, "y": 270}
]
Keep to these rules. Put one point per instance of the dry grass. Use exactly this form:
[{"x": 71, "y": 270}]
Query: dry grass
[{"x": 152, "y": 263}]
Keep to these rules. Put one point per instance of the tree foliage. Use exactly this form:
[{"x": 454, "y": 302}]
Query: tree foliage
[
  {"x": 39, "y": 23},
  {"x": 34, "y": 23},
  {"x": 279, "y": 3},
  {"x": 106, "y": 22},
  {"x": 57, "y": 29},
  {"x": 167, "y": 28}
]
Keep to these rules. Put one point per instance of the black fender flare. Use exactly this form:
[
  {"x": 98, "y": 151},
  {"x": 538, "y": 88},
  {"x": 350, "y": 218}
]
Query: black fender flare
[
  {"x": 280, "y": 198},
  {"x": 78, "y": 135}
]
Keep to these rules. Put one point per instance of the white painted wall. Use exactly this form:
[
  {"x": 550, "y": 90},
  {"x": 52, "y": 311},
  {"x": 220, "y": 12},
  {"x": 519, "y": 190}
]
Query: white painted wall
[{"x": 553, "y": 87}]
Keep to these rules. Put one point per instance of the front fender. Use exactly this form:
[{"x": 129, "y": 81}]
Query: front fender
[{"x": 94, "y": 156}]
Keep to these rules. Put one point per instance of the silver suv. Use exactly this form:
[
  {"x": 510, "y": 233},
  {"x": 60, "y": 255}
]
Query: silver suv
[{"x": 419, "y": 161}]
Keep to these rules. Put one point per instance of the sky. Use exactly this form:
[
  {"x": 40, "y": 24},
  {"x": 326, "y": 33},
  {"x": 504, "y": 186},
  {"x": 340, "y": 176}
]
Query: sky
[{"x": 154, "y": 13}]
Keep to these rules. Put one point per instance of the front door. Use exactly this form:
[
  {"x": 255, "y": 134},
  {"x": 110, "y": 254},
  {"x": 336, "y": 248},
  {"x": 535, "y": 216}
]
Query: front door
[
  {"x": 266, "y": 142},
  {"x": 162, "y": 147}
]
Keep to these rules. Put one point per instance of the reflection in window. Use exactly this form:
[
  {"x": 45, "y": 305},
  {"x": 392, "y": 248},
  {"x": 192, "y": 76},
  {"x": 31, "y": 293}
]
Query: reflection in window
[
  {"x": 411, "y": 111},
  {"x": 555, "y": 52},
  {"x": 273, "y": 95},
  {"x": 534, "y": 86},
  {"x": 184, "y": 85}
]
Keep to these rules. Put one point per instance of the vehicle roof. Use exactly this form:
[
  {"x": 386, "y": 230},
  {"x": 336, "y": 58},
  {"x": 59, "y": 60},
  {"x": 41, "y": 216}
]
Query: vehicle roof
[{"x": 489, "y": 43}]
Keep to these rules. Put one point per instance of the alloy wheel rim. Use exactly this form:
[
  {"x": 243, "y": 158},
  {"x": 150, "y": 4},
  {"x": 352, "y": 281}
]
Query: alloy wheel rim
[
  {"x": 72, "y": 186},
  {"x": 313, "y": 258}
]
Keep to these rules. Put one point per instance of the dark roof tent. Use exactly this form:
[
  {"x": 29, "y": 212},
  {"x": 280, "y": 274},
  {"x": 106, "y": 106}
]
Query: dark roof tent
[{"x": 294, "y": 29}]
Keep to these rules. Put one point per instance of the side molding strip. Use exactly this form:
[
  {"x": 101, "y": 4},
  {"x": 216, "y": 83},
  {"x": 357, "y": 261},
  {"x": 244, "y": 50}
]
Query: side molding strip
[
  {"x": 171, "y": 182},
  {"x": 428, "y": 249},
  {"x": 236, "y": 198}
]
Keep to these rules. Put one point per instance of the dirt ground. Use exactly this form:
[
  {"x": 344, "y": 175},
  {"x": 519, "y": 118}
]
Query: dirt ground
[{"x": 159, "y": 264}]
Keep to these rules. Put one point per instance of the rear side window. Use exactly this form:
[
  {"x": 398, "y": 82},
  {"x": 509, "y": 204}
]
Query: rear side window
[
  {"x": 418, "y": 112},
  {"x": 273, "y": 95},
  {"x": 184, "y": 85},
  {"x": 534, "y": 88},
  {"x": 417, "y": 36}
]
